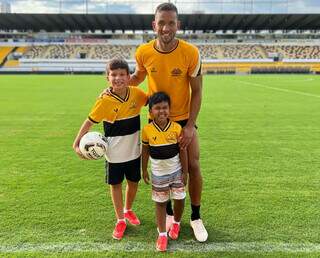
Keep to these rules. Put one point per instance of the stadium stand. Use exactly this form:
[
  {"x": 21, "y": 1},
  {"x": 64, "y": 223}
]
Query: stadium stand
[
  {"x": 4, "y": 52},
  {"x": 208, "y": 51},
  {"x": 80, "y": 51},
  {"x": 295, "y": 52},
  {"x": 238, "y": 51},
  {"x": 11, "y": 63},
  {"x": 240, "y": 47}
]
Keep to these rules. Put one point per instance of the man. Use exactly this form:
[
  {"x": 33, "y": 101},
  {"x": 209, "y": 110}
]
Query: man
[{"x": 174, "y": 66}]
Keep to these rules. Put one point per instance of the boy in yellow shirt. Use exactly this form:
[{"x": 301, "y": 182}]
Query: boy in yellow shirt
[
  {"x": 169, "y": 165},
  {"x": 120, "y": 113}
]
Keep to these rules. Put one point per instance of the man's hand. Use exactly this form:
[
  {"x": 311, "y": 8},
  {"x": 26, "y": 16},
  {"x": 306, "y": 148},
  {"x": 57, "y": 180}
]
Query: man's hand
[
  {"x": 105, "y": 92},
  {"x": 187, "y": 134},
  {"x": 145, "y": 176}
]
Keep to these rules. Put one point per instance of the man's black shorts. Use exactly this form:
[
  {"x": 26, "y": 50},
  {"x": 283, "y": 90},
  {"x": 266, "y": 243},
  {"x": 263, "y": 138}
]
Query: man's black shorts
[{"x": 115, "y": 172}]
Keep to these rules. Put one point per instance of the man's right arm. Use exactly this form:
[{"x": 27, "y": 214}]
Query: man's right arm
[{"x": 137, "y": 77}]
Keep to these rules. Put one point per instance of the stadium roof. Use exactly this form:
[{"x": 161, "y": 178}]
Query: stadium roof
[{"x": 205, "y": 22}]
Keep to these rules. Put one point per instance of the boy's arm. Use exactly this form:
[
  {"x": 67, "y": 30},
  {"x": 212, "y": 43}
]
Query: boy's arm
[
  {"x": 87, "y": 124},
  {"x": 145, "y": 158},
  {"x": 184, "y": 164}
]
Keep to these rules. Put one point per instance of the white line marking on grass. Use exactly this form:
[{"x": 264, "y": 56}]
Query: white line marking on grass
[
  {"x": 278, "y": 89},
  {"x": 282, "y": 80},
  {"x": 190, "y": 246}
]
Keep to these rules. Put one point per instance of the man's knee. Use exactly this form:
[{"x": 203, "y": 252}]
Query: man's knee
[{"x": 194, "y": 167}]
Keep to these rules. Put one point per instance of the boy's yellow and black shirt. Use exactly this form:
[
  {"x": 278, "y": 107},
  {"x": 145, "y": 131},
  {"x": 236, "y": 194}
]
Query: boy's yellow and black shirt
[
  {"x": 163, "y": 142},
  {"x": 121, "y": 121},
  {"x": 119, "y": 115},
  {"x": 163, "y": 146},
  {"x": 171, "y": 72}
]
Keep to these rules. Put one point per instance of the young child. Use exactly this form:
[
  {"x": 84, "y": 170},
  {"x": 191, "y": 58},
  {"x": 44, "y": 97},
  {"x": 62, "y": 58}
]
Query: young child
[
  {"x": 119, "y": 110},
  {"x": 168, "y": 165}
]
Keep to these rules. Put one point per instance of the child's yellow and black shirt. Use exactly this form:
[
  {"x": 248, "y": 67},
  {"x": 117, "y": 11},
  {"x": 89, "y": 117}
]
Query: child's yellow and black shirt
[
  {"x": 163, "y": 147},
  {"x": 170, "y": 72},
  {"x": 121, "y": 121}
]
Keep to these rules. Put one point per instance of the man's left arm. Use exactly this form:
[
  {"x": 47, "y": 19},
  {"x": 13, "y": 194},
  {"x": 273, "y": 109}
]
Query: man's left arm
[{"x": 195, "y": 104}]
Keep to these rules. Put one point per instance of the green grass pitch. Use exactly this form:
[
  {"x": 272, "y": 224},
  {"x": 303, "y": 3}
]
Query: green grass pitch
[{"x": 260, "y": 160}]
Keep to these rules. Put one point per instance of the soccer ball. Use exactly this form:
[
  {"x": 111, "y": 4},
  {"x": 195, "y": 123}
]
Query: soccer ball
[{"x": 93, "y": 145}]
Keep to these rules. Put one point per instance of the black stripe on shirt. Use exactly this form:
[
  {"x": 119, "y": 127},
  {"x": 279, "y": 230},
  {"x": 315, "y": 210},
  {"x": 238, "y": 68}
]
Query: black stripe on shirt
[
  {"x": 93, "y": 121},
  {"x": 122, "y": 127},
  {"x": 164, "y": 151}
]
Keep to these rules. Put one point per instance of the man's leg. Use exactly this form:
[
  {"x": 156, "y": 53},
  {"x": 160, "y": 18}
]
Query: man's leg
[
  {"x": 195, "y": 190},
  {"x": 195, "y": 177}
]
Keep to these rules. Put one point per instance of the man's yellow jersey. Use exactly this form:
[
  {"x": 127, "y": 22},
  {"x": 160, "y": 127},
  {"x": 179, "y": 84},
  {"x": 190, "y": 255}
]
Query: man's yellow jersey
[{"x": 170, "y": 72}]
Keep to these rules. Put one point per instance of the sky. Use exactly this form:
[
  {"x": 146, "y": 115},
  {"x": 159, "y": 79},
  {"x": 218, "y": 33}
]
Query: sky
[{"x": 184, "y": 6}]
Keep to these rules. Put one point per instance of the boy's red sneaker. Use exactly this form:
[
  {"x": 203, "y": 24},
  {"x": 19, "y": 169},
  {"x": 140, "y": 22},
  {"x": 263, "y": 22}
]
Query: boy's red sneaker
[
  {"x": 174, "y": 231},
  {"x": 132, "y": 218},
  {"x": 162, "y": 243},
  {"x": 119, "y": 230}
]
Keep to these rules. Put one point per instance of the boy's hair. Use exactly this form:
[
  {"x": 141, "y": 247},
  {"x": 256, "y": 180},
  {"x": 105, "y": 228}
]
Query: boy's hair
[
  {"x": 166, "y": 7},
  {"x": 158, "y": 97},
  {"x": 117, "y": 63}
]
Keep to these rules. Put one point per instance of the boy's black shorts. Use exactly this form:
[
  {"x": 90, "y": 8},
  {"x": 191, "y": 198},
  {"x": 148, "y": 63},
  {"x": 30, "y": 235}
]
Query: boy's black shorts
[{"x": 115, "y": 172}]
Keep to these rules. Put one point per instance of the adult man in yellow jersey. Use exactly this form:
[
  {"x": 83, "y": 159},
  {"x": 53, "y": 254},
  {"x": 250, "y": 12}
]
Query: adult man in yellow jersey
[{"x": 174, "y": 66}]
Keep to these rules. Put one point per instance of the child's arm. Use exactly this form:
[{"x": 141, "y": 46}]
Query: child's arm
[
  {"x": 87, "y": 124},
  {"x": 184, "y": 164},
  {"x": 145, "y": 159}
]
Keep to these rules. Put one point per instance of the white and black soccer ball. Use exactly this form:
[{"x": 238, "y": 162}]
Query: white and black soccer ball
[{"x": 93, "y": 145}]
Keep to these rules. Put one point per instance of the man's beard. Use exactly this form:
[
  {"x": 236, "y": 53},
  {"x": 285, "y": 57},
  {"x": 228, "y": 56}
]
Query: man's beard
[{"x": 167, "y": 39}]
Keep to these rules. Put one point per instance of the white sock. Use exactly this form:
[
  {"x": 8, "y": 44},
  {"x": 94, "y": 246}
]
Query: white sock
[
  {"x": 125, "y": 210},
  {"x": 163, "y": 234},
  {"x": 176, "y": 222},
  {"x": 121, "y": 220}
]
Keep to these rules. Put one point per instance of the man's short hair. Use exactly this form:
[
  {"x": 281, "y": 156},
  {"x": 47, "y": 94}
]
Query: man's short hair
[
  {"x": 166, "y": 7},
  {"x": 158, "y": 97},
  {"x": 117, "y": 63}
]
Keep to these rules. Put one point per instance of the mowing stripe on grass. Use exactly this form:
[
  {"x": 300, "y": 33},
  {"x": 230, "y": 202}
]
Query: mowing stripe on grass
[
  {"x": 278, "y": 89},
  {"x": 187, "y": 246}
]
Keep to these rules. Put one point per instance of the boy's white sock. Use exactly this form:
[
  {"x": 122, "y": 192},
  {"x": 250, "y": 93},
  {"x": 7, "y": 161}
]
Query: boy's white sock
[
  {"x": 124, "y": 220},
  {"x": 176, "y": 222},
  {"x": 163, "y": 234},
  {"x": 125, "y": 210}
]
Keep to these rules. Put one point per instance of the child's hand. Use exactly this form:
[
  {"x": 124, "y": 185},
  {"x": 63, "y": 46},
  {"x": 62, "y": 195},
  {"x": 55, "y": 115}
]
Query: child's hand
[
  {"x": 185, "y": 178},
  {"x": 77, "y": 150},
  {"x": 145, "y": 176}
]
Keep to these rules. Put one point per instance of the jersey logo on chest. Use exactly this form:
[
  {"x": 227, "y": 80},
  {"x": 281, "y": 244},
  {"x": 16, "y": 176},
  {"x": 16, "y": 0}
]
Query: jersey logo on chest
[
  {"x": 176, "y": 72},
  {"x": 133, "y": 105}
]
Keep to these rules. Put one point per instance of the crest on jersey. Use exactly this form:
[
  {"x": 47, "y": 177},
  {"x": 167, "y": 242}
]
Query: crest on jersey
[
  {"x": 171, "y": 137},
  {"x": 176, "y": 72},
  {"x": 133, "y": 104}
]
